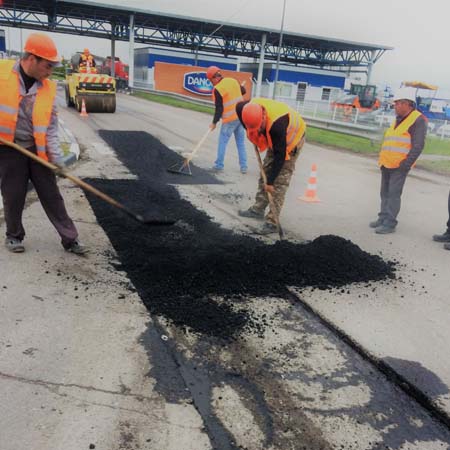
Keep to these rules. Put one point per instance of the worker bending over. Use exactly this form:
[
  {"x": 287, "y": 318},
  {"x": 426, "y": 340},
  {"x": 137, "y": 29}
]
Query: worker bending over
[
  {"x": 402, "y": 145},
  {"x": 227, "y": 93},
  {"x": 277, "y": 128},
  {"x": 28, "y": 117}
]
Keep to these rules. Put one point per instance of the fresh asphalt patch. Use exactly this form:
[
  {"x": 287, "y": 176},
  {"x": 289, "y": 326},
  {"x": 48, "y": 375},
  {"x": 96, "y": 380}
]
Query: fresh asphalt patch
[{"x": 196, "y": 273}]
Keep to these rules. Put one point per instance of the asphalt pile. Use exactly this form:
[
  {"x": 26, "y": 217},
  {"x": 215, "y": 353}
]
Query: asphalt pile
[{"x": 198, "y": 274}]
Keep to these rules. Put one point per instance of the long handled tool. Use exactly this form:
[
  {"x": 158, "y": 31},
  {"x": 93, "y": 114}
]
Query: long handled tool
[
  {"x": 58, "y": 171},
  {"x": 269, "y": 195},
  {"x": 185, "y": 168}
]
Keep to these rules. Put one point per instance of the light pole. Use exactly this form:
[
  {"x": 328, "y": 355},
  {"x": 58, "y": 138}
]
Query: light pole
[{"x": 280, "y": 43}]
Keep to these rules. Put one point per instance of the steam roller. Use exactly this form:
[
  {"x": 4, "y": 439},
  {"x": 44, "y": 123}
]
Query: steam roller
[{"x": 98, "y": 92}]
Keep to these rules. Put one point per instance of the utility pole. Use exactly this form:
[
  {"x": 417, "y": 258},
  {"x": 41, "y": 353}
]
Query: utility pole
[{"x": 280, "y": 43}]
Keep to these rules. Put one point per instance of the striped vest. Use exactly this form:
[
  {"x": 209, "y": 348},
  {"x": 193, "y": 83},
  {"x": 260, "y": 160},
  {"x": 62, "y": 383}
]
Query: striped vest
[
  {"x": 274, "y": 110},
  {"x": 397, "y": 142},
  {"x": 9, "y": 107},
  {"x": 230, "y": 90}
]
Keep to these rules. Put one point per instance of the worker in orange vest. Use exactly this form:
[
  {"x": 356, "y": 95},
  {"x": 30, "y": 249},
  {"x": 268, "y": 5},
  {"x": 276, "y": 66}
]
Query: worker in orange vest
[
  {"x": 28, "y": 117},
  {"x": 87, "y": 62},
  {"x": 402, "y": 145},
  {"x": 274, "y": 127},
  {"x": 227, "y": 93}
]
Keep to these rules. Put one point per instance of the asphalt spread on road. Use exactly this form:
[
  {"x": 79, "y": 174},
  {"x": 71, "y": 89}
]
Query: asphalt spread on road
[{"x": 196, "y": 273}]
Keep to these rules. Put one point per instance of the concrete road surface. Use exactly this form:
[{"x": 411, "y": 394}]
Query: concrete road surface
[{"x": 82, "y": 365}]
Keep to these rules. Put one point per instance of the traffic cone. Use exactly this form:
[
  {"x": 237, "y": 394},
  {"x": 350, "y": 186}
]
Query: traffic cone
[
  {"x": 83, "y": 112},
  {"x": 311, "y": 190}
]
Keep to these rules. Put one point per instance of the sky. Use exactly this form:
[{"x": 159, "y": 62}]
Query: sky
[{"x": 419, "y": 31}]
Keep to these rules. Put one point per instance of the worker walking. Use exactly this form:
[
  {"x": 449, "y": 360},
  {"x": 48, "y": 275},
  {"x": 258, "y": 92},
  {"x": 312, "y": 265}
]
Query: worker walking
[
  {"x": 445, "y": 237},
  {"x": 277, "y": 128},
  {"x": 402, "y": 145},
  {"x": 28, "y": 117},
  {"x": 227, "y": 93}
]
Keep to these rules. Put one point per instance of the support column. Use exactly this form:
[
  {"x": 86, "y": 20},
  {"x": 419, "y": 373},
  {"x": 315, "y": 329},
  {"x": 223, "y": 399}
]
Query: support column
[
  {"x": 131, "y": 54},
  {"x": 113, "y": 55},
  {"x": 370, "y": 66},
  {"x": 261, "y": 65}
]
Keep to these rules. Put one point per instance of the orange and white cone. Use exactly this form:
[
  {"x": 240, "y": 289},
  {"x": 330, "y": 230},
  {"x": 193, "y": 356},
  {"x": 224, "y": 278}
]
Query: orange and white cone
[
  {"x": 83, "y": 112},
  {"x": 311, "y": 190}
]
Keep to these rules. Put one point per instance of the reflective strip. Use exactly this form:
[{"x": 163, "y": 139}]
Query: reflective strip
[
  {"x": 406, "y": 140},
  {"x": 232, "y": 102},
  {"x": 228, "y": 114},
  {"x": 294, "y": 128},
  {"x": 40, "y": 148},
  {"x": 40, "y": 129},
  {"x": 6, "y": 130},
  {"x": 8, "y": 109},
  {"x": 389, "y": 148}
]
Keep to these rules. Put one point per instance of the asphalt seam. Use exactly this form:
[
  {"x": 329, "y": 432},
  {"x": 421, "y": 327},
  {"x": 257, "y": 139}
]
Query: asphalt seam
[{"x": 392, "y": 375}]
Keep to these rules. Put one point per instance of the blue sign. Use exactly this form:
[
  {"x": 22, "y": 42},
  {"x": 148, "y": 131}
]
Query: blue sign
[{"x": 197, "y": 83}]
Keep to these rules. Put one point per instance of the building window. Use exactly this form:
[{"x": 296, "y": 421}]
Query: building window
[
  {"x": 326, "y": 94},
  {"x": 301, "y": 91}
]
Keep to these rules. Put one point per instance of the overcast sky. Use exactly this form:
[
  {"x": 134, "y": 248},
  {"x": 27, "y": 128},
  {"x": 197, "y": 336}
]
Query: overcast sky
[{"x": 418, "y": 30}]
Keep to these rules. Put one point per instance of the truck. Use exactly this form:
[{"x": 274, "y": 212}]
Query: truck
[
  {"x": 120, "y": 71},
  {"x": 98, "y": 91}
]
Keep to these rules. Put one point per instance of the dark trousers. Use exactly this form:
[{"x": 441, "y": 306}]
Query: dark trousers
[
  {"x": 392, "y": 182},
  {"x": 16, "y": 170}
]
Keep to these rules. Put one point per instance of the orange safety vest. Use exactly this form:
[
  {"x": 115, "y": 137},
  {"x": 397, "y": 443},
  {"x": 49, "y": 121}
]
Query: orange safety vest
[
  {"x": 230, "y": 90},
  {"x": 274, "y": 110},
  {"x": 9, "y": 107},
  {"x": 397, "y": 142},
  {"x": 85, "y": 59}
]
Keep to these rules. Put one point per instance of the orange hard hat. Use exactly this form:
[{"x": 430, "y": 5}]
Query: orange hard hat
[
  {"x": 211, "y": 72},
  {"x": 43, "y": 46},
  {"x": 86, "y": 51},
  {"x": 252, "y": 116}
]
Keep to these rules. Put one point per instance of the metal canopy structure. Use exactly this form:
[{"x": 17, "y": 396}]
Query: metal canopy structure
[{"x": 114, "y": 23}]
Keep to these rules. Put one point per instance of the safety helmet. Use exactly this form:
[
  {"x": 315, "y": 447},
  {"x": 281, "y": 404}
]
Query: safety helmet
[
  {"x": 211, "y": 72},
  {"x": 252, "y": 116},
  {"x": 405, "y": 93},
  {"x": 86, "y": 51},
  {"x": 41, "y": 45}
]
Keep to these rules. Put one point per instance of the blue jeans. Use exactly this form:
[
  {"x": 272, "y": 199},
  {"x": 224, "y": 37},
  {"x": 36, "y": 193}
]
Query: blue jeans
[{"x": 226, "y": 130}]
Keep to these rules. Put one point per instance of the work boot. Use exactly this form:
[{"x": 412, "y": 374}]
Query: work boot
[
  {"x": 447, "y": 246},
  {"x": 244, "y": 170},
  {"x": 14, "y": 245},
  {"x": 267, "y": 228},
  {"x": 445, "y": 237},
  {"x": 376, "y": 223},
  {"x": 385, "y": 229},
  {"x": 250, "y": 212},
  {"x": 76, "y": 248}
]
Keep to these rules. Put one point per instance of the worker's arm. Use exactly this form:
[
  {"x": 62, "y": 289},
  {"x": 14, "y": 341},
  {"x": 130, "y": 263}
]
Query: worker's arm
[
  {"x": 54, "y": 151},
  {"x": 218, "y": 103},
  {"x": 278, "y": 133},
  {"x": 418, "y": 132}
]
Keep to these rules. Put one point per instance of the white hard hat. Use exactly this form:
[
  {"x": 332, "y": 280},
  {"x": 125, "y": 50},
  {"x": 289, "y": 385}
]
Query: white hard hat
[{"x": 405, "y": 93}]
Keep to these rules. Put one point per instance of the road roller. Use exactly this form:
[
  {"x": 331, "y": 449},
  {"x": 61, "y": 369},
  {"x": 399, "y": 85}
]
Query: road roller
[{"x": 98, "y": 91}]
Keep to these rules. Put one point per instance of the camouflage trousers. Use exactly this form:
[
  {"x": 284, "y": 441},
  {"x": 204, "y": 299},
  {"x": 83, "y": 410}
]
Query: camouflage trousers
[{"x": 281, "y": 183}]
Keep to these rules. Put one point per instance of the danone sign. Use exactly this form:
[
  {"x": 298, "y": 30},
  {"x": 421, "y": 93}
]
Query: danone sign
[{"x": 197, "y": 83}]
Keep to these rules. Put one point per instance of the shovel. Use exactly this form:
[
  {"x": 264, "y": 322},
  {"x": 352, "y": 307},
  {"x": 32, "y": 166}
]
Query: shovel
[
  {"x": 185, "y": 168},
  {"x": 87, "y": 187},
  {"x": 269, "y": 195}
]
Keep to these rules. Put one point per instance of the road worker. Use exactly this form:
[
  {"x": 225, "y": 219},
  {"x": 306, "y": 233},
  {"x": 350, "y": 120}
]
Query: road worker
[
  {"x": 274, "y": 127},
  {"x": 28, "y": 117},
  {"x": 227, "y": 93},
  {"x": 87, "y": 62},
  {"x": 402, "y": 145}
]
